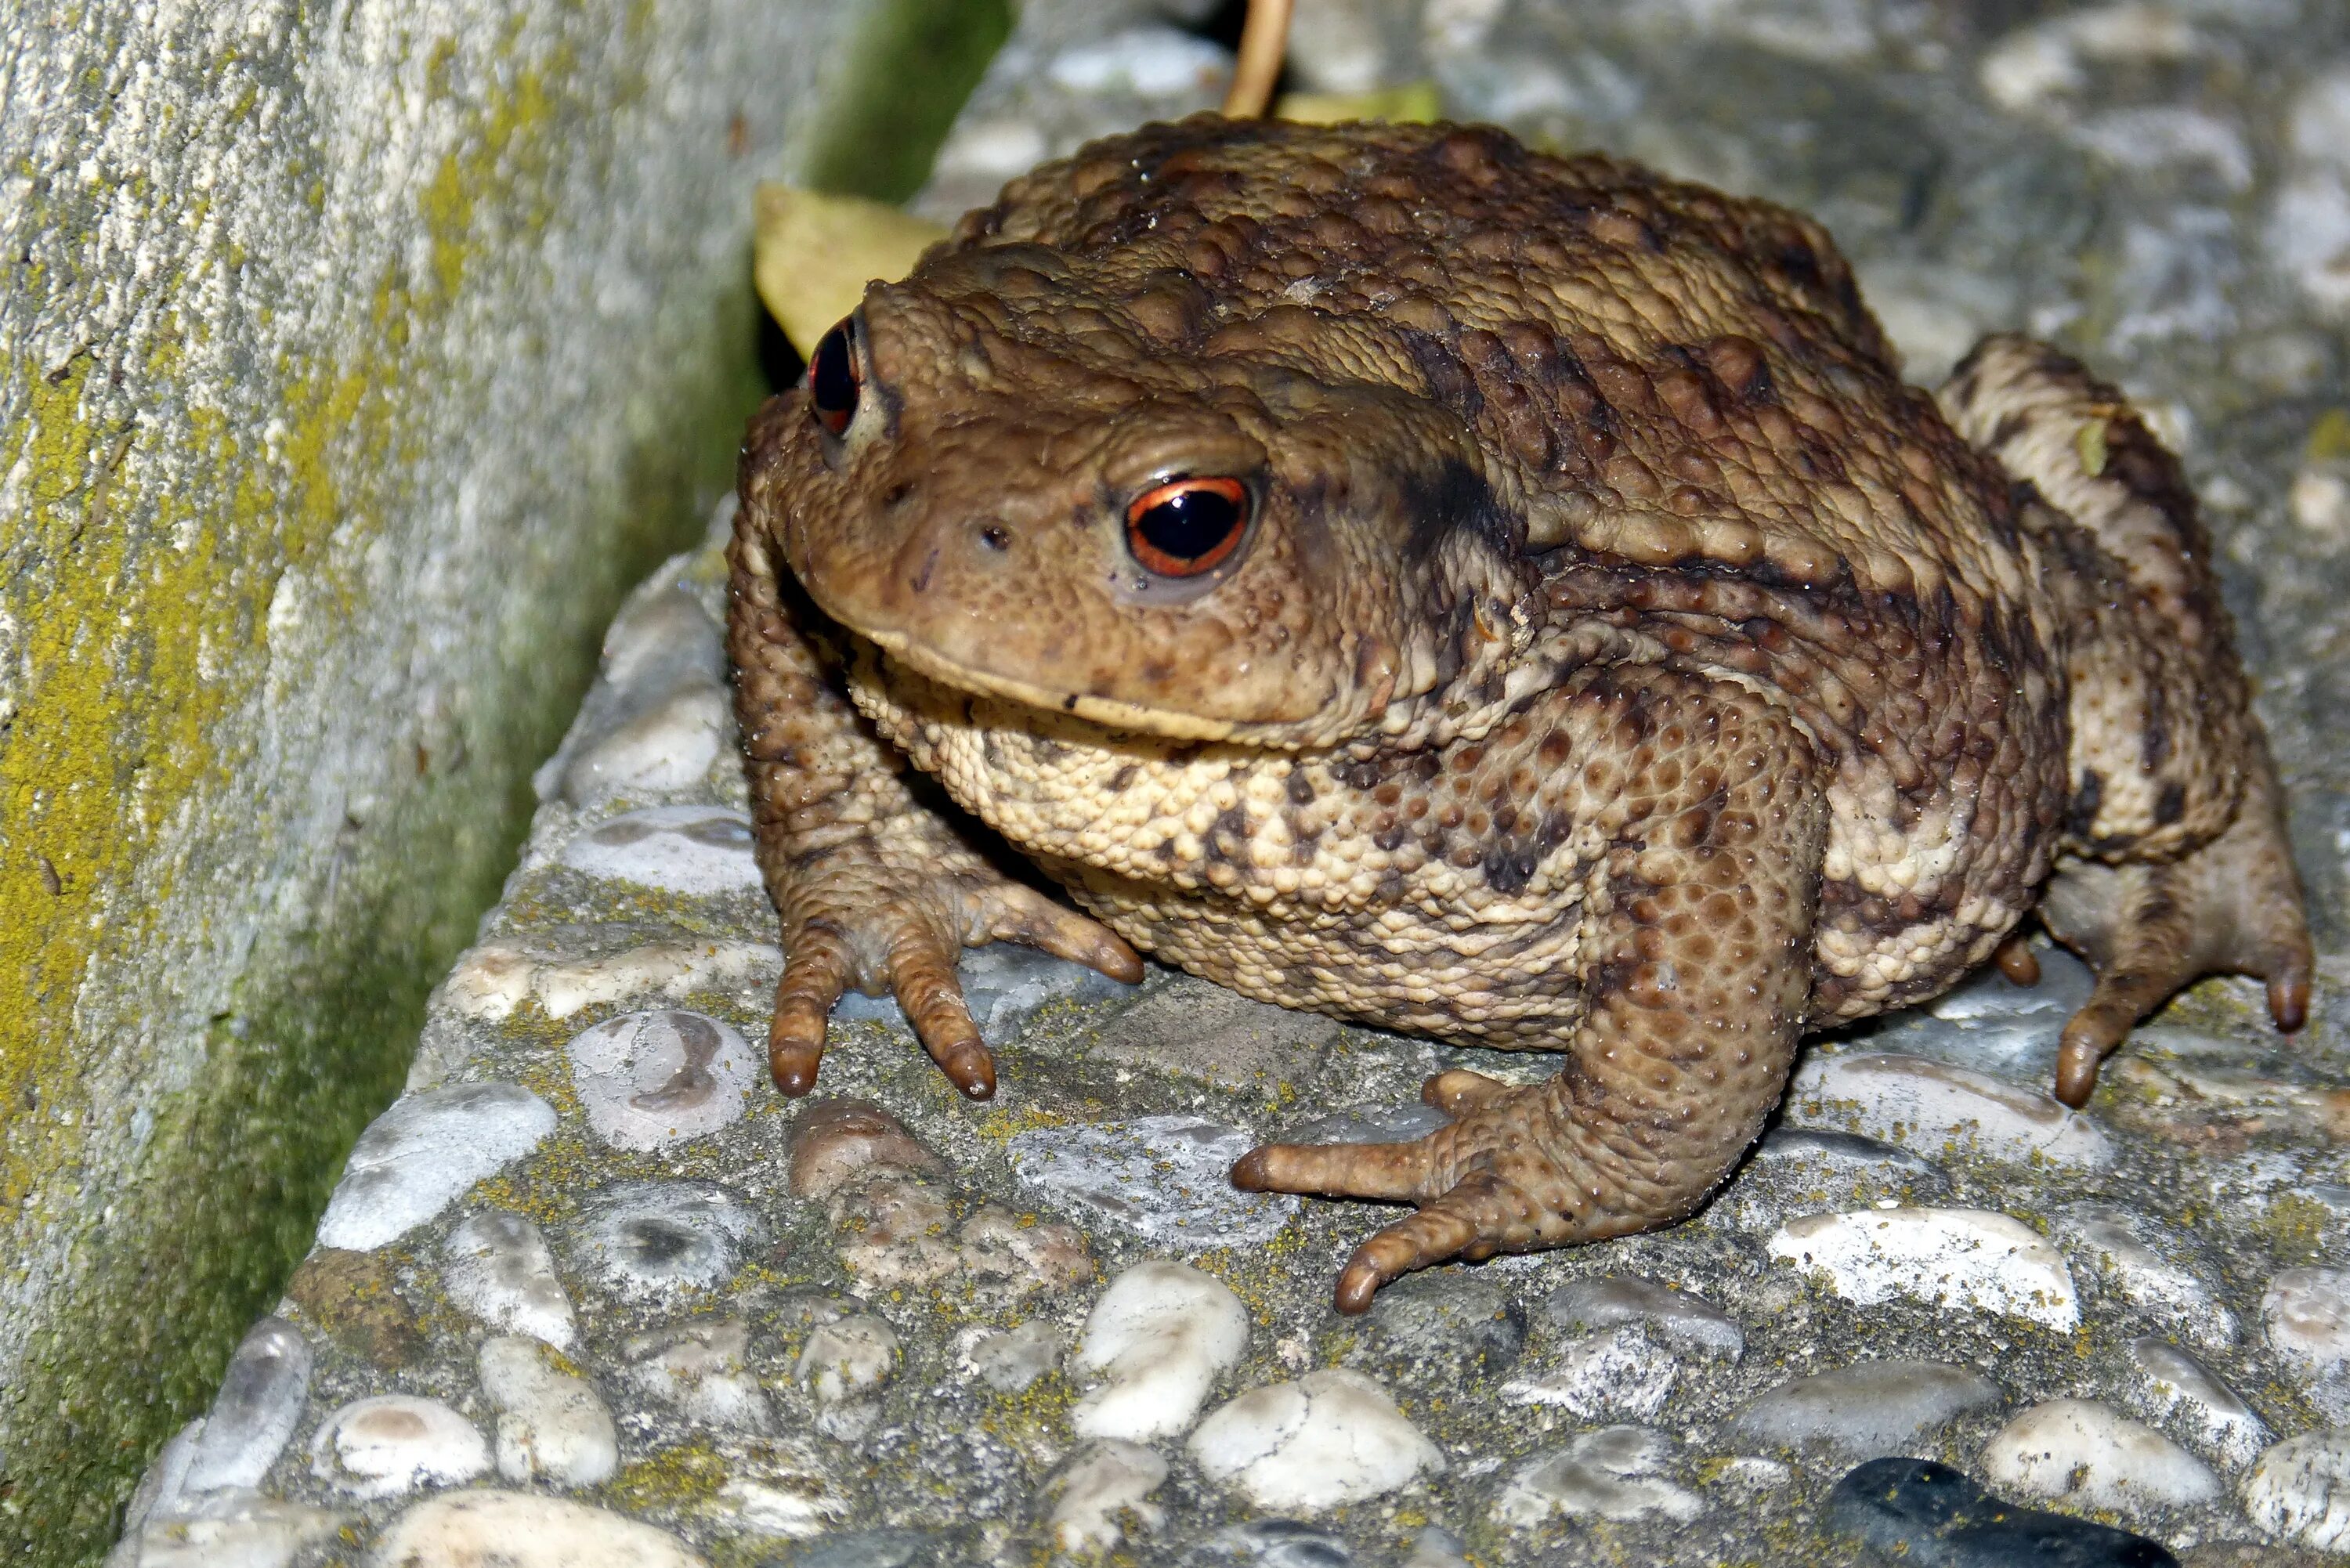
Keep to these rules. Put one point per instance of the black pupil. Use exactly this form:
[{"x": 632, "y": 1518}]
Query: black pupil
[
  {"x": 831, "y": 375},
  {"x": 1189, "y": 523}
]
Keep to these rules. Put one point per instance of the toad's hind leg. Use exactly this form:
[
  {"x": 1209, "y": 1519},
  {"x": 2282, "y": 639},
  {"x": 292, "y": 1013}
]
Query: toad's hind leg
[
  {"x": 2175, "y": 863},
  {"x": 1695, "y": 966}
]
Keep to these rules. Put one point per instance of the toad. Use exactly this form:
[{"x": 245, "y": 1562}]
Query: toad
[{"x": 1394, "y": 572}]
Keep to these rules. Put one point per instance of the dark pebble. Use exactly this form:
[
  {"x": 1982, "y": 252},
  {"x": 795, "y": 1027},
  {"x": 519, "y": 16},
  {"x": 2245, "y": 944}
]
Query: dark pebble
[
  {"x": 1274, "y": 1543},
  {"x": 1925, "y": 1515}
]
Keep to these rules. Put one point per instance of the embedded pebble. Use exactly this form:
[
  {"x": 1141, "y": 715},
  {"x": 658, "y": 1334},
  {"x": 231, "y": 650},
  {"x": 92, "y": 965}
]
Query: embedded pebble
[
  {"x": 2088, "y": 1454},
  {"x": 2107, "y": 1237},
  {"x": 1947, "y": 1257},
  {"x": 666, "y": 744},
  {"x": 649, "y": 1079},
  {"x": 255, "y": 1411},
  {"x": 1930, "y": 1106},
  {"x": 1200, "y": 1030},
  {"x": 896, "y": 1233},
  {"x": 1333, "y": 1437},
  {"x": 1805, "y": 1170},
  {"x": 2300, "y": 1490},
  {"x": 661, "y": 636},
  {"x": 781, "y": 1487},
  {"x": 2172, "y": 1386},
  {"x": 488, "y": 1529},
  {"x": 1868, "y": 1408},
  {"x": 698, "y": 1370},
  {"x": 1159, "y": 1335},
  {"x": 837, "y": 1141},
  {"x": 1916, "y": 1510},
  {"x": 1683, "y": 1319},
  {"x": 422, "y": 1154},
  {"x": 490, "y": 982},
  {"x": 1013, "y": 1258},
  {"x": 497, "y": 1266},
  {"x": 2307, "y": 1311},
  {"x": 1987, "y": 1022},
  {"x": 1435, "y": 1548},
  {"x": 696, "y": 850},
  {"x": 551, "y": 1425},
  {"x": 235, "y": 1527},
  {"x": 1009, "y": 1362},
  {"x": 847, "y": 1355},
  {"x": 1622, "y": 1371},
  {"x": 392, "y": 1443},
  {"x": 1164, "y": 1178},
  {"x": 654, "y": 1239},
  {"x": 1102, "y": 1481},
  {"x": 1615, "y": 1473},
  {"x": 1002, "y": 984},
  {"x": 1275, "y": 1543},
  {"x": 1406, "y": 1123},
  {"x": 1446, "y": 1323}
]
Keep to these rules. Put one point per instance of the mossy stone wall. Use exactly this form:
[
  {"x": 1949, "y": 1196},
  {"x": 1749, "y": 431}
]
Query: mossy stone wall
[{"x": 354, "y": 356}]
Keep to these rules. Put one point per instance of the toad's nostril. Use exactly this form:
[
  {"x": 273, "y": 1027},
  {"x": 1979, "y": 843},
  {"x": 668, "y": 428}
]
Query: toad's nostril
[{"x": 995, "y": 537}]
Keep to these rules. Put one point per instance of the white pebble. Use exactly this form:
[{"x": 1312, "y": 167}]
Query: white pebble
[
  {"x": 233, "y": 1528},
  {"x": 697, "y": 850},
  {"x": 1936, "y": 1110},
  {"x": 674, "y": 970},
  {"x": 495, "y": 1265},
  {"x": 1863, "y": 1411},
  {"x": 2106, "y": 1237},
  {"x": 1684, "y": 1319},
  {"x": 2308, "y": 1315},
  {"x": 1160, "y": 1335},
  {"x": 1009, "y": 1362},
  {"x": 1948, "y": 1256},
  {"x": 259, "y": 1402},
  {"x": 1332, "y": 1438},
  {"x": 2300, "y": 1490},
  {"x": 655, "y": 1238},
  {"x": 666, "y": 745},
  {"x": 1613, "y": 1473},
  {"x": 847, "y": 1355},
  {"x": 419, "y": 1157},
  {"x": 1621, "y": 1371},
  {"x": 478, "y": 1528},
  {"x": 650, "y": 1079},
  {"x": 1163, "y": 1179},
  {"x": 2091, "y": 1455},
  {"x": 1102, "y": 1482},
  {"x": 2174, "y": 1386},
  {"x": 393, "y": 1443},
  {"x": 551, "y": 1425},
  {"x": 699, "y": 1370}
]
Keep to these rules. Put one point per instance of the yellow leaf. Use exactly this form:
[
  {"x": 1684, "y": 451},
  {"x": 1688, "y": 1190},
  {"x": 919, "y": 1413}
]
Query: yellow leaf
[
  {"x": 1406, "y": 103},
  {"x": 816, "y": 252}
]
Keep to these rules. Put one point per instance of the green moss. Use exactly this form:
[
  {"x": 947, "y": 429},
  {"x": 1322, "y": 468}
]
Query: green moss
[{"x": 908, "y": 70}]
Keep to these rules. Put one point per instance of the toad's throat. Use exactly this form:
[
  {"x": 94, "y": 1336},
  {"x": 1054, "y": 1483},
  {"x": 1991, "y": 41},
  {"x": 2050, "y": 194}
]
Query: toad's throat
[{"x": 1109, "y": 712}]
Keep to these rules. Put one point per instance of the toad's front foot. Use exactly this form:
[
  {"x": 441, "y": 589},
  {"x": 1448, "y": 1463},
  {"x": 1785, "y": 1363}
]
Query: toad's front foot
[
  {"x": 1503, "y": 1178},
  {"x": 860, "y": 922}
]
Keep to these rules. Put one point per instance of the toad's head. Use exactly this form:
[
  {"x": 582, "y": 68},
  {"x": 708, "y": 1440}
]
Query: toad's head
[{"x": 1079, "y": 486}]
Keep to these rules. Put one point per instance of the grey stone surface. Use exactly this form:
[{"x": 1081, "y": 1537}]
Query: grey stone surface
[
  {"x": 255, "y": 1411},
  {"x": 416, "y": 1158},
  {"x": 1040, "y": 1322}
]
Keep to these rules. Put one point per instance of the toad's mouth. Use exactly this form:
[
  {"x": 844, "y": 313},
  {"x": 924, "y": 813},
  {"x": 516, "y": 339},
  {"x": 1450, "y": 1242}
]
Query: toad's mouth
[{"x": 1109, "y": 712}]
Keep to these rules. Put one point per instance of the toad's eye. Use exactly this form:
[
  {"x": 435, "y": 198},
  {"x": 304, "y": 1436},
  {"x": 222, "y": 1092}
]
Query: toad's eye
[
  {"x": 833, "y": 378},
  {"x": 1187, "y": 526}
]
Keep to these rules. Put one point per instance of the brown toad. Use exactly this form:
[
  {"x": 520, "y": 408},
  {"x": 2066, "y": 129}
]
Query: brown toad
[{"x": 1390, "y": 572}]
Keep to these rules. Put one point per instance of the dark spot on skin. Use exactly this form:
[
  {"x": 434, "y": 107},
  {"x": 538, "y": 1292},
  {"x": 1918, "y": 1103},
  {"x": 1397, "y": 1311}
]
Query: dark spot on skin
[
  {"x": 1069, "y": 703},
  {"x": 1301, "y": 789},
  {"x": 920, "y": 581},
  {"x": 1124, "y": 778},
  {"x": 2171, "y": 803},
  {"x": 2086, "y": 799},
  {"x": 1508, "y": 868}
]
